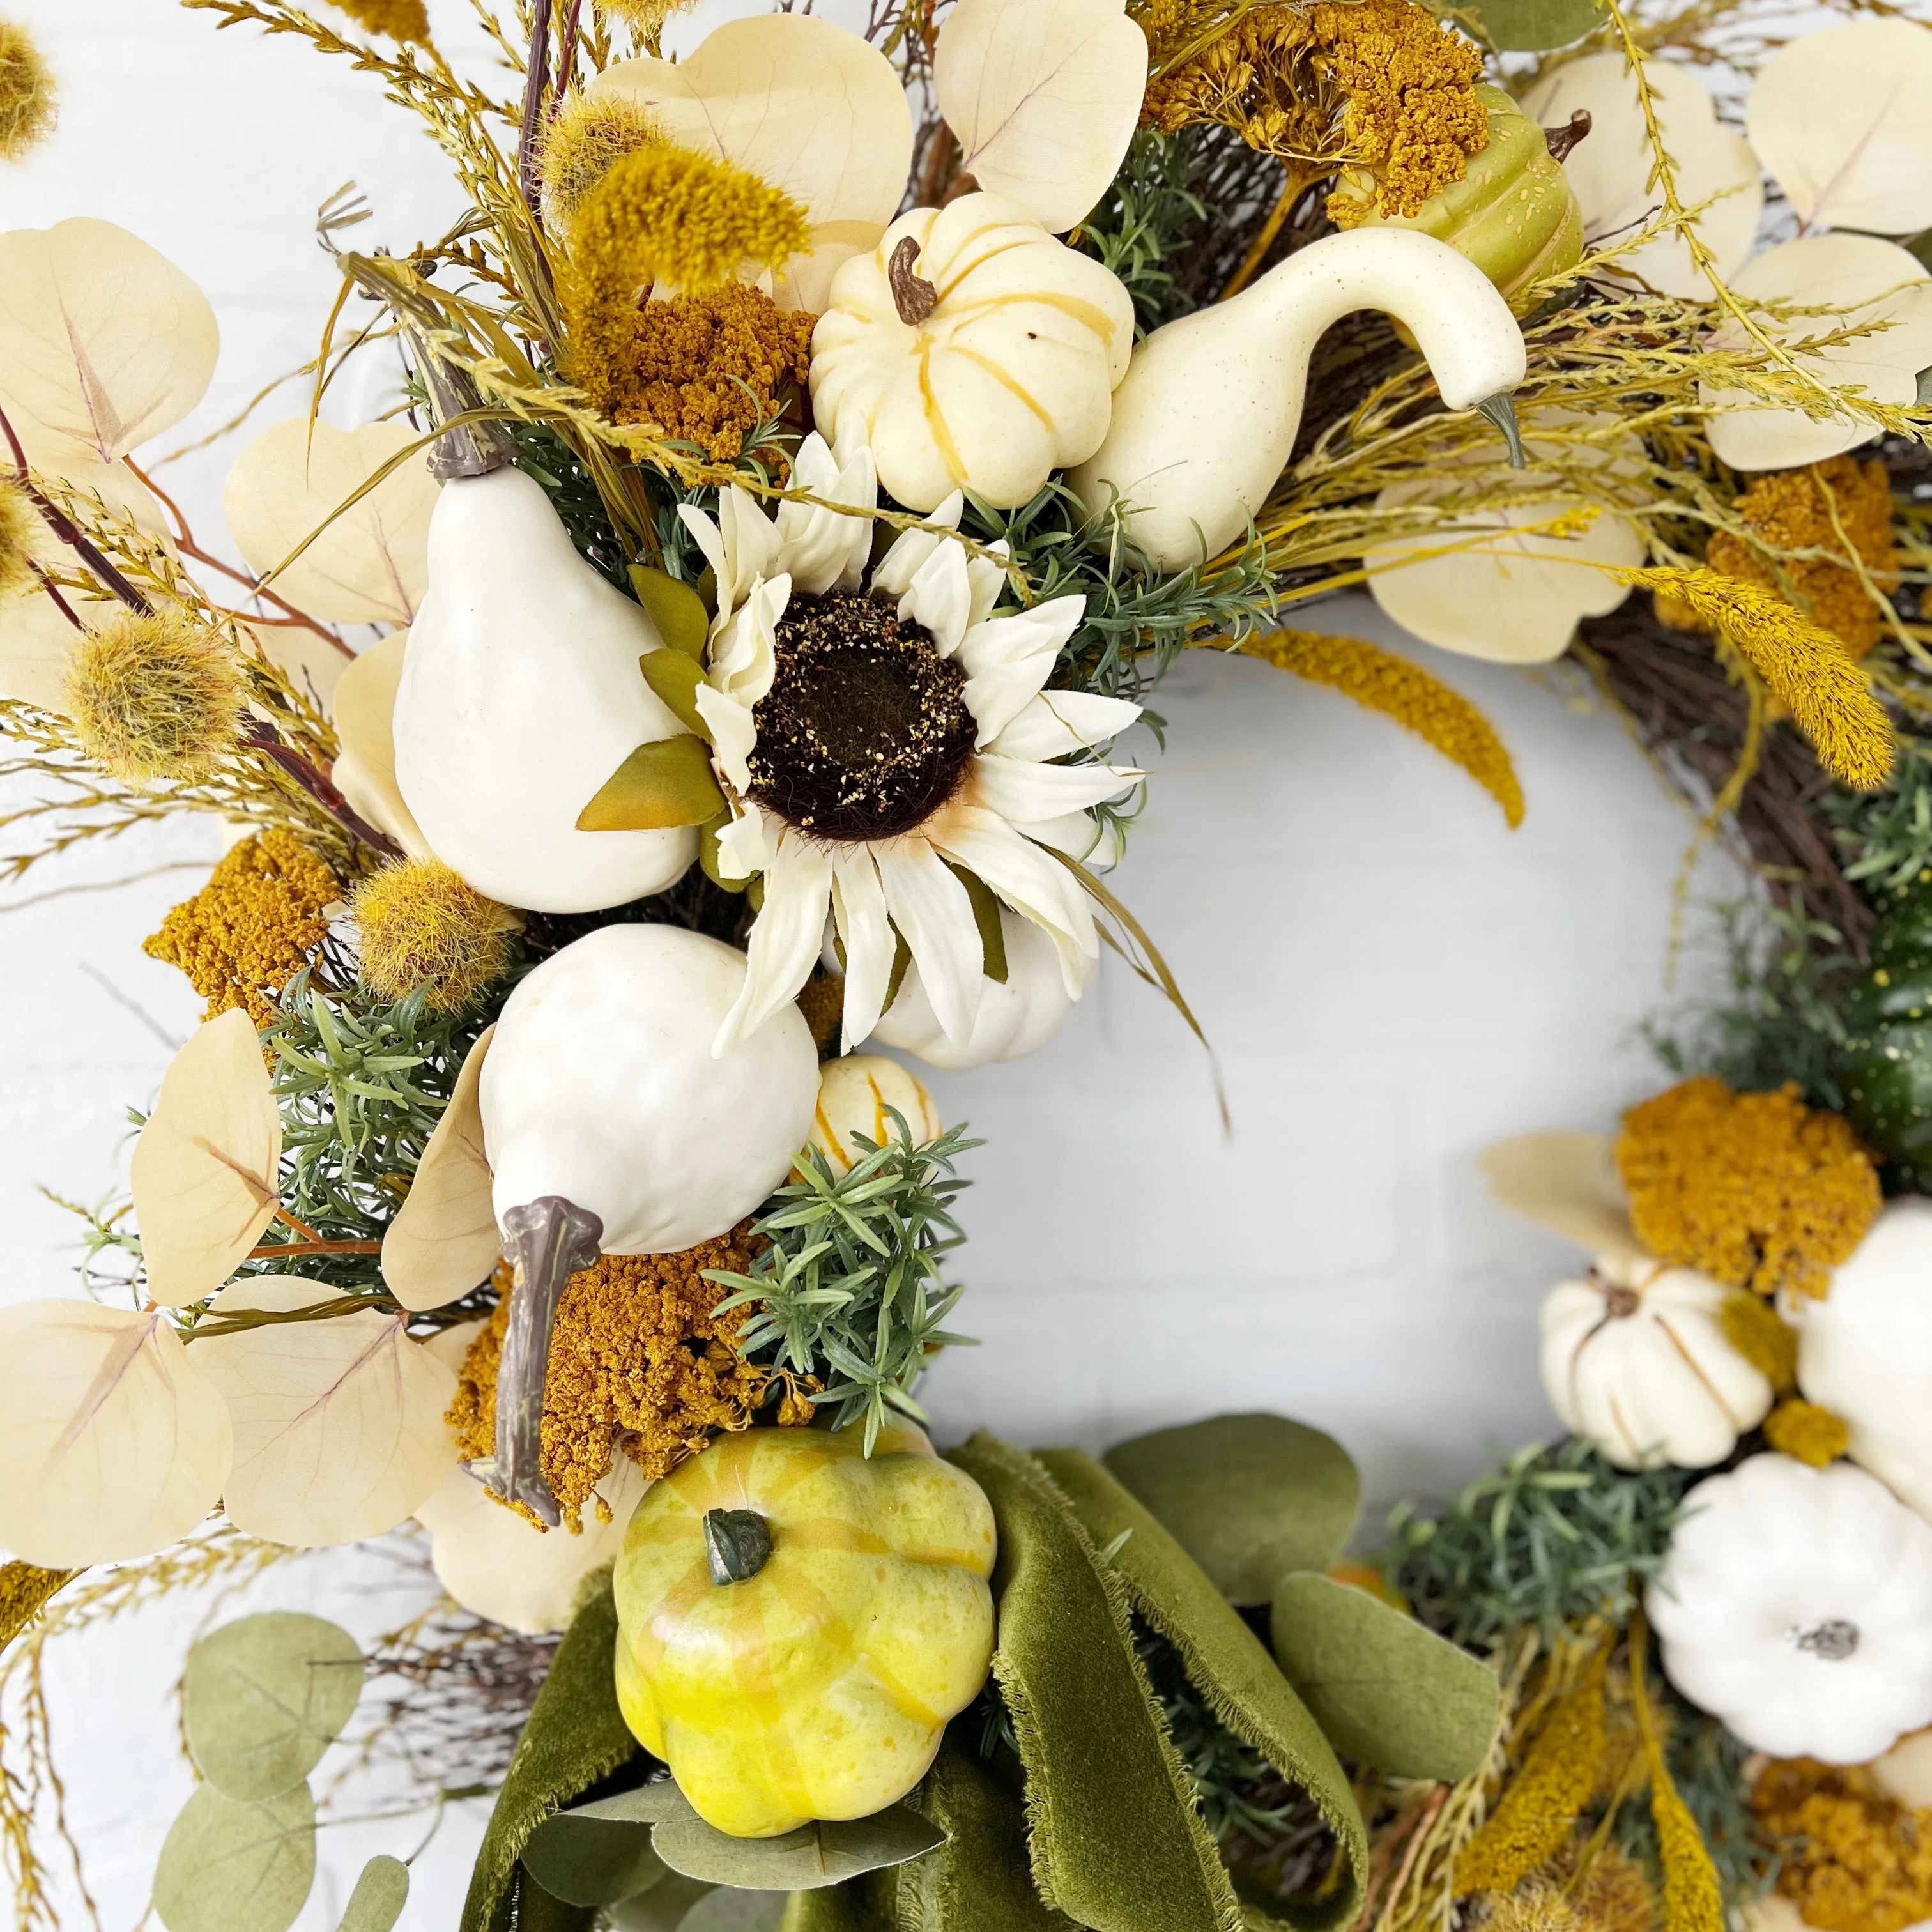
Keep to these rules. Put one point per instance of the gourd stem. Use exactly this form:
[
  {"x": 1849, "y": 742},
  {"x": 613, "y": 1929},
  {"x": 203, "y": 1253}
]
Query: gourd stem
[
  {"x": 548, "y": 1241},
  {"x": 912, "y": 295},
  {"x": 737, "y": 1544},
  {"x": 1560, "y": 140},
  {"x": 1502, "y": 411}
]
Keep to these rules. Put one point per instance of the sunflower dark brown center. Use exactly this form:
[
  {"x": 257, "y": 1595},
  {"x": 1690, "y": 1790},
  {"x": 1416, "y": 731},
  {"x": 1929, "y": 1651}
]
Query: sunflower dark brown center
[{"x": 865, "y": 733}]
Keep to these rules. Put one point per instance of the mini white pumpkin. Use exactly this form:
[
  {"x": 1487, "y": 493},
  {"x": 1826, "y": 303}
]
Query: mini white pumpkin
[
  {"x": 1635, "y": 1357},
  {"x": 853, "y": 1096},
  {"x": 972, "y": 351},
  {"x": 1865, "y": 1350},
  {"x": 1015, "y": 1015},
  {"x": 1793, "y": 1606}
]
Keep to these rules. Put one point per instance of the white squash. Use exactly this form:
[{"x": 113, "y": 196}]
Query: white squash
[
  {"x": 1205, "y": 419},
  {"x": 973, "y": 351},
  {"x": 609, "y": 1126},
  {"x": 1793, "y": 1606},
  {"x": 1634, "y": 1357},
  {"x": 520, "y": 696},
  {"x": 854, "y": 1094},
  {"x": 1015, "y": 1016},
  {"x": 1865, "y": 1350}
]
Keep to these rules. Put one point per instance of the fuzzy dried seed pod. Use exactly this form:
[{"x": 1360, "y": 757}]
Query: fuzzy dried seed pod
[
  {"x": 20, "y": 528},
  {"x": 401, "y": 19},
  {"x": 420, "y": 926},
  {"x": 591, "y": 134},
  {"x": 155, "y": 695},
  {"x": 28, "y": 108}
]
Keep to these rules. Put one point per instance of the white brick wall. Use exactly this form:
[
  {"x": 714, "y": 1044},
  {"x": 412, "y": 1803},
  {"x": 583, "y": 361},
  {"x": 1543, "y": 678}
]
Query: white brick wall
[{"x": 1391, "y": 979}]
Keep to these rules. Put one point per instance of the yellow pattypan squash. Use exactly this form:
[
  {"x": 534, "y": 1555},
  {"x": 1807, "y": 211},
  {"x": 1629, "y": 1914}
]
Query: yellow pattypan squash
[{"x": 797, "y": 1622}]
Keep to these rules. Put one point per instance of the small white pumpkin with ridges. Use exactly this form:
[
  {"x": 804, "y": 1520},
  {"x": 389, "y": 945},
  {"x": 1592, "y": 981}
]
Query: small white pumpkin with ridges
[
  {"x": 854, "y": 1095},
  {"x": 1635, "y": 1357}
]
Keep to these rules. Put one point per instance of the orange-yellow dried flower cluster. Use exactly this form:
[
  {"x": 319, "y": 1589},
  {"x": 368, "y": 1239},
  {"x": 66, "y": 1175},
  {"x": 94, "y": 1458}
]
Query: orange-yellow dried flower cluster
[
  {"x": 1825, "y": 506},
  {"x": 1380, "y": 83},
  {"x": 1856, "y": 1861},
  {"x": 1757, "y": 1190},
  {"x": 252, "y": 927},
  {"x": 703, "y": 369},
  {"x": 638, "y": 1361},
  {"x": 1808, "y": 1431}
]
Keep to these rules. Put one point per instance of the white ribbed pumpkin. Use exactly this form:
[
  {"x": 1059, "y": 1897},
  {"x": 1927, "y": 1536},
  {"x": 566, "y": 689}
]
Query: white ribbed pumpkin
[
  {"x": 1008, "y": 376},
  {"x": 1635, "y": 1357},
  {"x": 853, "y": 1096}
]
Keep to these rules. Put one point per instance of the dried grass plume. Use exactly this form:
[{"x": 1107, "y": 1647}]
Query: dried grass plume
[
  {"x": 156, "y": 696},
  {"x": 28, "y": 107},
  {"x": 591, "y": 134},
  {"x": 20, "y": 529},
  {"x": 420, "y": 926}
]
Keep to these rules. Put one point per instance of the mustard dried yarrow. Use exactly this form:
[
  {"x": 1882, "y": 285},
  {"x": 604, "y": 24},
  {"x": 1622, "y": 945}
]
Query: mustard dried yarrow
[
  {"x": 252, "y": 928},
  {"x": 1757, "y": 1190},
  {"x": 1854, "y": 1860},
  {"x": 1807, "y": 1431}
]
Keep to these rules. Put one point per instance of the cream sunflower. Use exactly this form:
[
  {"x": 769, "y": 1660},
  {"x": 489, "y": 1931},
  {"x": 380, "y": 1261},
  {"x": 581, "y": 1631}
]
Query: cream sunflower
[{"x": 887, "y": 744}]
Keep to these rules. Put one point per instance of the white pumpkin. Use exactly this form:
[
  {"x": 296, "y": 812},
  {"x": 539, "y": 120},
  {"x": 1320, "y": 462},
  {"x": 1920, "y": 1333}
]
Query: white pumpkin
[
  {"x": 854, "y": 1094},
  {"x": 1635, "y": 1357},
  {"x": 1865, "y": 1351},
  {"x": 1015, "y": 1015},
  {"x": 600, "y": 1087},
  {"x": 1793, "y": 1604},
  {"x": 973, "y": 351}
]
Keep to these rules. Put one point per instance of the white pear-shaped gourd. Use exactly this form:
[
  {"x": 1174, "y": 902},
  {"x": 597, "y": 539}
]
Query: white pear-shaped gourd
[
  {"x": 610, "y": 1128},
  {"x": 520, "y": 696},
  {"x": 1635, "y": 1357},
  {"x": 1204, "y": 422}
]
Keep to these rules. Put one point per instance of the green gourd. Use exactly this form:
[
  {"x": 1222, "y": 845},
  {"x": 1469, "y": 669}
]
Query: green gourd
[
  {"x": 1514, "y": 213},
  {"x": 1884, "y": 1065}
]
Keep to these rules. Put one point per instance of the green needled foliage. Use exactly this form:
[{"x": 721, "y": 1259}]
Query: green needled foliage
[
  {"x": 1556, "y": 1535},
  {"x": 850, "y": 1289},
  {"x": 1137, "y": 229},
  {"x": 1116, "y": 1840},
  {"x": 1228, "y": 1667},
  {"x": 576, "y": 1734}
]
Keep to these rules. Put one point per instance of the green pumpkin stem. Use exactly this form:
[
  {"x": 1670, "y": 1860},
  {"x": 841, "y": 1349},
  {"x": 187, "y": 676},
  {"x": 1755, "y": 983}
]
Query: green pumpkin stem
[{"x": 739, "y": 1544}]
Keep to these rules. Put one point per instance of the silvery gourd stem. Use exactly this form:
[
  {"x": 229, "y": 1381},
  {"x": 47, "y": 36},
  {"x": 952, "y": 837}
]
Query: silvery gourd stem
[
  {"x": 547, "y": 1241},
  {"x": 470, "y": 449}
]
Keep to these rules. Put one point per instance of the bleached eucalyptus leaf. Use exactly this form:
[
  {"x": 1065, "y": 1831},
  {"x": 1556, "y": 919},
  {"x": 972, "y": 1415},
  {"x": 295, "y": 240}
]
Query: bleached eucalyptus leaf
[
  {"x": 1611, "y": 171},
  {"x": 104, "y": 342},
  {"x": 804, "y": 105},
  {"x": 339, "y": 1432},
  {"x": 371, "y": 565},
  {"x": 1568, "y": 1183},
  {"x": 1867, "y": 281},
  {"x": 365, "y": 772},
  {"x": 229, "y": 1866},
  {"x": 1042, "y": 96},
  {"x": 206, "y": 1167},
  {"x": 444, "y": 1241},
  {"x": 1839, "y": 118},
  {"x": 115, "y": 1443},
  {"x": 499, "y": 1565},
  {"x": 381, "y": 1892},
  {"x": 264, "y": 1696}
]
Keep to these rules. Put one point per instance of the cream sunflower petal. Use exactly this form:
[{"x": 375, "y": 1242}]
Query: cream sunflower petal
[
  {"x": 786, "y": 938},
  {"x": 931, "y": 908},
  {"x": 901, "y": 564},
  {"x": 859, "y": 906},
  {"x": 986, "y": 579},
  {"x": 733, "y": 736},
  {"x": 1058, "y": 722},
  {"x": 940, "y": 597},
  {"x": 1030, "y": 881},
  {"x": 820, "y": 547},
  {"x": 1080, "y": 836},
  {"x": 1008, "y": 660},
  {"x": 744, "y": 657},
  {"x": 750, "y": 546},
  {"x": 745, "y": 845},
  {"x": 1022, "y": 793},
  {"x": 710, "y": 540}
]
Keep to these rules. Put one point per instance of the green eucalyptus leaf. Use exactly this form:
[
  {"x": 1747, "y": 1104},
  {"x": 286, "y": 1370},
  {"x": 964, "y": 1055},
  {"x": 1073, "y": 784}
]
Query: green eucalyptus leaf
[
  {"x": 591, "y": 1860},
  {"x": 380, "y": 1893},
  {"x": 229, "y": 1866},
  {"x": 662, "y": 785},
  {"x": 1530, "y": 26},
  {"x": 663, "y": 1909},
  {"x": 655, "y": 1803},
  {"x": 1249, "y": 1497},
  {"x": 675, "y": 678},
  {"x": 986, "y": 917},
  {"x": 263, "y": 1697},
  {"x": 1385, "y": 1690},
  {"x": 675, "y": 609},
  {"x": 728, "y": 1910}
]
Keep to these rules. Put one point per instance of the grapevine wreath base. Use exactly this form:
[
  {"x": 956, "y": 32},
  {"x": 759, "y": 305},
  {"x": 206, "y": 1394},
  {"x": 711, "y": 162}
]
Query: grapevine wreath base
[{"x": 717, "y": 694}]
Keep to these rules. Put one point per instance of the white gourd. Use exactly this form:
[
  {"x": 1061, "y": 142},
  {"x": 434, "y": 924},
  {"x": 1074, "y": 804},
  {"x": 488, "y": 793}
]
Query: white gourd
[
  {"x": 1634, "y": 1357},
  {"x": 1791, "y": 1606},
  {"x": 1015, "y": 1016},
  {"x": 1865, "y": 1350},
  {"x": 854, "y": 1094},
  {"x": 1203, "y": 423},
  {"x": 984, "y": 360},
  {"x": 520, "y": 696}
]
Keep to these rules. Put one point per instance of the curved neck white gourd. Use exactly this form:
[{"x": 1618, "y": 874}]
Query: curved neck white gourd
[{"x": 1204, "y": 422}]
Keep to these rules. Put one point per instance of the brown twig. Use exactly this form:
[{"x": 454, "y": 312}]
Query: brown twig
[
  {"x": 64, "y": 527},
  {"x": 535, "y": 81},
  {"x": 262, "y": 735}
]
